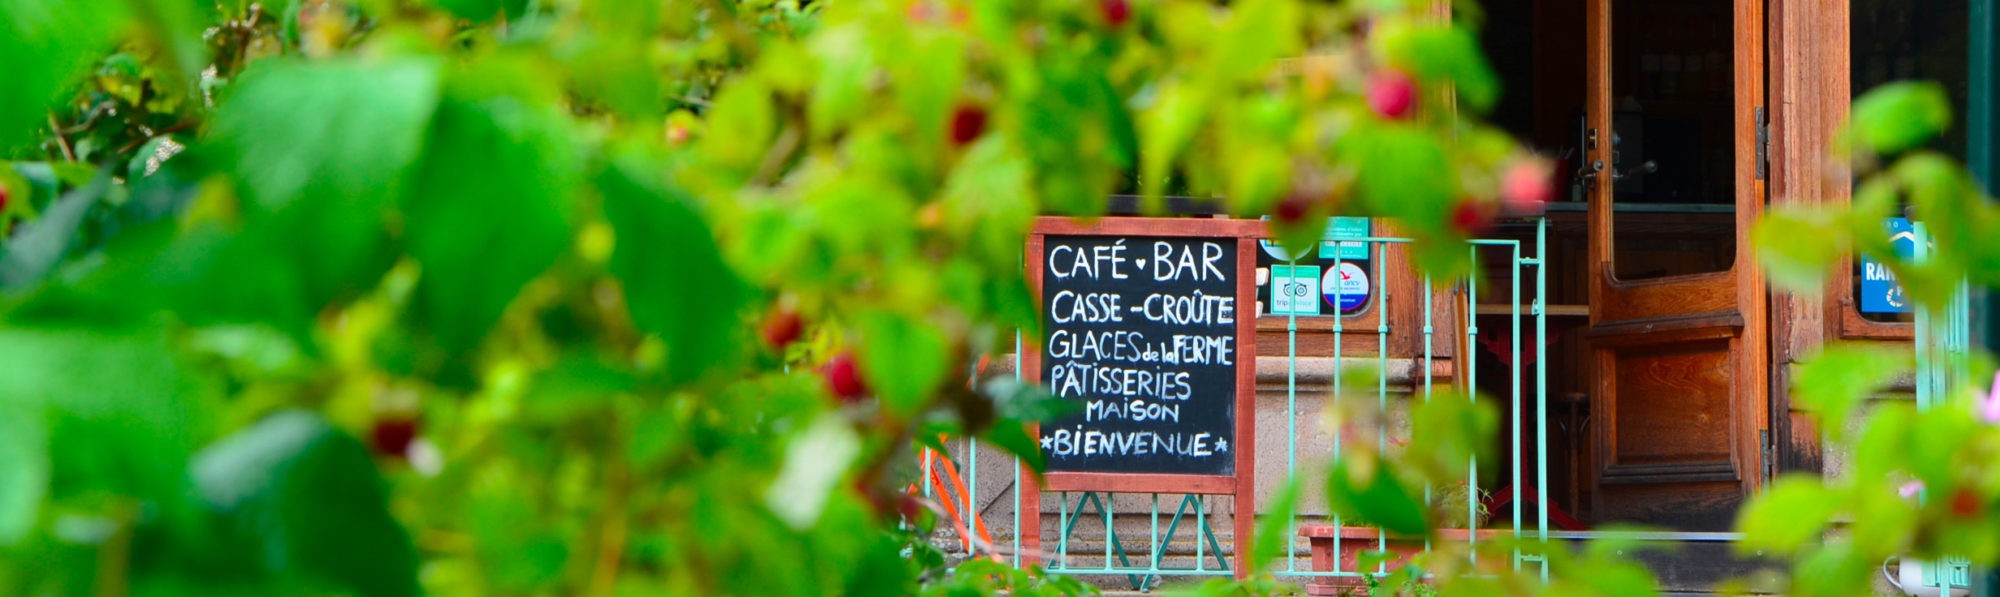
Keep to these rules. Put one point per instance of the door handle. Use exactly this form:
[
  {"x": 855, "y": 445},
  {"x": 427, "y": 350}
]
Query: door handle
[
  {"x": 1587, "y": 175},
  {"x": 1646, "y": 168}
]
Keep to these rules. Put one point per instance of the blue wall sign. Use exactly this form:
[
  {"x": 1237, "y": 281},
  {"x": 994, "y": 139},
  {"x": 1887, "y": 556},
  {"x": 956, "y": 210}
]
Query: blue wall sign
[
  {"x": 1879, "y": 291},
  {"x": 1345, "y": 287}
]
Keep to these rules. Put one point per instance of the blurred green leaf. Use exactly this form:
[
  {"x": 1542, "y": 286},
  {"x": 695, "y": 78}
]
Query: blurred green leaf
[
  {"x": 24, "y": 454},
  {"x": 311, "y": 498},
  {"x": 484, "y": 10},
  {"x": 1404, "y": 173},
  {"x": 1258, "y": 33},
  {"x": 1165, "y": 129},
  {"x": 902, "y": 359},
  {"x": 676, "y": 284},
  {"x": 1438, "y": 52},
  {"x": 1011, "y": 436},
  {"x": 520, "y": 551},
  {"x": 177, "y": 26},
  {"x": 491, "y": 207},
  {"x": 814, "y": 463},
  {"x": 1786, "y": 517},
  {"x": 34, "y": 252},
  {"x": 1899, "y": 116},
  {"x": 48, "y": 45},
  {"x": 1454, "y": 432},
  {"x": 741, "y": 125},
  {"x": 351, "y": 130},
  {"x": 846, "y": 66},
  {"x": 1798, "y": 245},
  {"x": 1369, "y": 489},
  {"x": 1274, "y": 532},
  {"x": 928, "y": 90},
  {"x": 1840, "y": 377},
  {"x": 123, "y": 413}
]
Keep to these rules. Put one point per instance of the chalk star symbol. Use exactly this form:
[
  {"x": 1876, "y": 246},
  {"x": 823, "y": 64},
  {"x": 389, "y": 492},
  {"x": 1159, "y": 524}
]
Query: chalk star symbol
[
  {"x": 1046, "y": 441},
  {"x": 1222, "y": 445}
]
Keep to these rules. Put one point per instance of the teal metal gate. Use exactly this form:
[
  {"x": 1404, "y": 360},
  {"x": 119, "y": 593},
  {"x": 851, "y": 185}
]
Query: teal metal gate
[{"x": 1143, "y": 552}]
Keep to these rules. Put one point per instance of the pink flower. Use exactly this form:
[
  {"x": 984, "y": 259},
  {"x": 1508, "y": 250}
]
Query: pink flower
[
  {"x": 1911, "y": 489},
  {"x": 1989, "y": 409}
]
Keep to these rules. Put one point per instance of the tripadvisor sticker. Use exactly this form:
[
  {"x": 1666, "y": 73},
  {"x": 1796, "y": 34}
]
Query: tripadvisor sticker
[{"x": 1345, "y": 287}]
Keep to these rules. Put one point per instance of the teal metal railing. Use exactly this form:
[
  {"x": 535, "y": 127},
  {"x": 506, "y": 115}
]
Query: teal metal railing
[
  {"x": 1943, "y": 344},
  {"x": 1200, "y": 550}
]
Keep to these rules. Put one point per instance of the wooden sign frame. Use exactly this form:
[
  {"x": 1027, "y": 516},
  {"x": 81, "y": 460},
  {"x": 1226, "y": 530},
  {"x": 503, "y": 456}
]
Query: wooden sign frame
[{"x": 1243, "y": 483}]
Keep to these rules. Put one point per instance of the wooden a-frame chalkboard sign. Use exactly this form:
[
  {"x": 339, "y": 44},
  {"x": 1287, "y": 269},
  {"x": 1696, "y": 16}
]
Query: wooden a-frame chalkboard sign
[{"x": 1149, "y": 325}]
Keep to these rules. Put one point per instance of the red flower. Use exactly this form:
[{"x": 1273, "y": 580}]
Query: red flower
[
  {"x": 968, "y": 122},
  {"x": 1116, "y": 12},
  {"x": 1392, "y": 94},
  {"x": 843, "y": 379},
  {"x": 1965, "y": 503},
  {"x": 782, "y": 328}
]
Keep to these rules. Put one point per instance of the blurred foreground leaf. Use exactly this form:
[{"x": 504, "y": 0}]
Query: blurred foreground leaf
[{"x": 311, "y": 499}]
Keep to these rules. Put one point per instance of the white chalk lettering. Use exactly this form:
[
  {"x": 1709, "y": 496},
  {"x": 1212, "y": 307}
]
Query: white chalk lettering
[
  {"x": 1193, "y": 309},
  {"x": 1095, "y": 307}
]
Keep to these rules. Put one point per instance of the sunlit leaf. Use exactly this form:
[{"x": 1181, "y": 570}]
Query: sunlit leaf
[
  {"x": 902, "y": 359},
  {"x": 1787, "y": 516},
  {"x": 1258, "y": 33},
  {"x": 1835, "y": 381},
  {"x": 846, "y": 65},
  {"x": 814, "y": 463},
  {"x": 1899, "y": 116},
  {"x": 1371, "y": 490},
  {"x": 1437, "y": 51},
  {"x": 1798, "y": 246}
]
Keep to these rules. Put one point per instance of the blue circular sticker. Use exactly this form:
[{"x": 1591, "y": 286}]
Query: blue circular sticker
[{"x": 1345, "y": 287}]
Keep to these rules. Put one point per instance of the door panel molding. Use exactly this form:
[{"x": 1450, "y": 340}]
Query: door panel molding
[
  {"x": 1679, "y": 472},
  {"x": 1679, "y": 328}
]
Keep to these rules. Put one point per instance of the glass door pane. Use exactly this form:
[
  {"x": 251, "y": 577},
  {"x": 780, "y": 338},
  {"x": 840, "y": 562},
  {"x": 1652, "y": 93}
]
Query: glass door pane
[{"x": 1673, "y": 166}]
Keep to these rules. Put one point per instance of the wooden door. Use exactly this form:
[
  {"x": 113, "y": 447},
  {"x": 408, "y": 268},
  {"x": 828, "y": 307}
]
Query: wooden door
[{"x": 1676, "y": 303}]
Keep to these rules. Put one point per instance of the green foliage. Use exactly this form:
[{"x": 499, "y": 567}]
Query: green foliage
[
  {"x": 518, "y": 247},
  {"x": 306, "y": 500},
  {"x": 50, "y": 43},
  {"x": 1274, "y": 532},
  {"x": 1836, "y": 380},
  {"x": 676, "y": 285},
  {"x": 1900, "y": 116},
  {"x": 1919, "y": 483}
]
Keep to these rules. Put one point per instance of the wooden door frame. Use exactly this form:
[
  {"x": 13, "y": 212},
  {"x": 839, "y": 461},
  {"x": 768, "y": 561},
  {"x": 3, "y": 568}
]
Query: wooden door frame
[
  {"x": 1811, "y": 78},
  {"x": 1728, "y": 306}
]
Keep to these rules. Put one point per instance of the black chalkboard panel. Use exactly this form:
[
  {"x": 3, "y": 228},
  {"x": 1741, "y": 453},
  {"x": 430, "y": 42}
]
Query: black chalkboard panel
[{"x": 1141, "y": 332}]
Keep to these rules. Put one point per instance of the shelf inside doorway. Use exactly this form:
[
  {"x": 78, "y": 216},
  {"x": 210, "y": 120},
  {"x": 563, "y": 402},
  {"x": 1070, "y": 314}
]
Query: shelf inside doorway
[{"x": 1553, "y": 310}]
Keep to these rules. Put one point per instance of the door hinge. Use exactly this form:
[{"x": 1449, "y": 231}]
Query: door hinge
[
  {"x": 1768, "y": 452},
  {"x": 1763, "y": 142}
]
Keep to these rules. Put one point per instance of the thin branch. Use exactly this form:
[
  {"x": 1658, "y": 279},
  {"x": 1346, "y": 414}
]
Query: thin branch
[
  {"x": 61, "y": 141},
  {"x": 692, "y": 100},
  {"x": 170, "y": 129},
  {"x": 780, "y": 152},
  {"x": 611, "y": 540}
]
